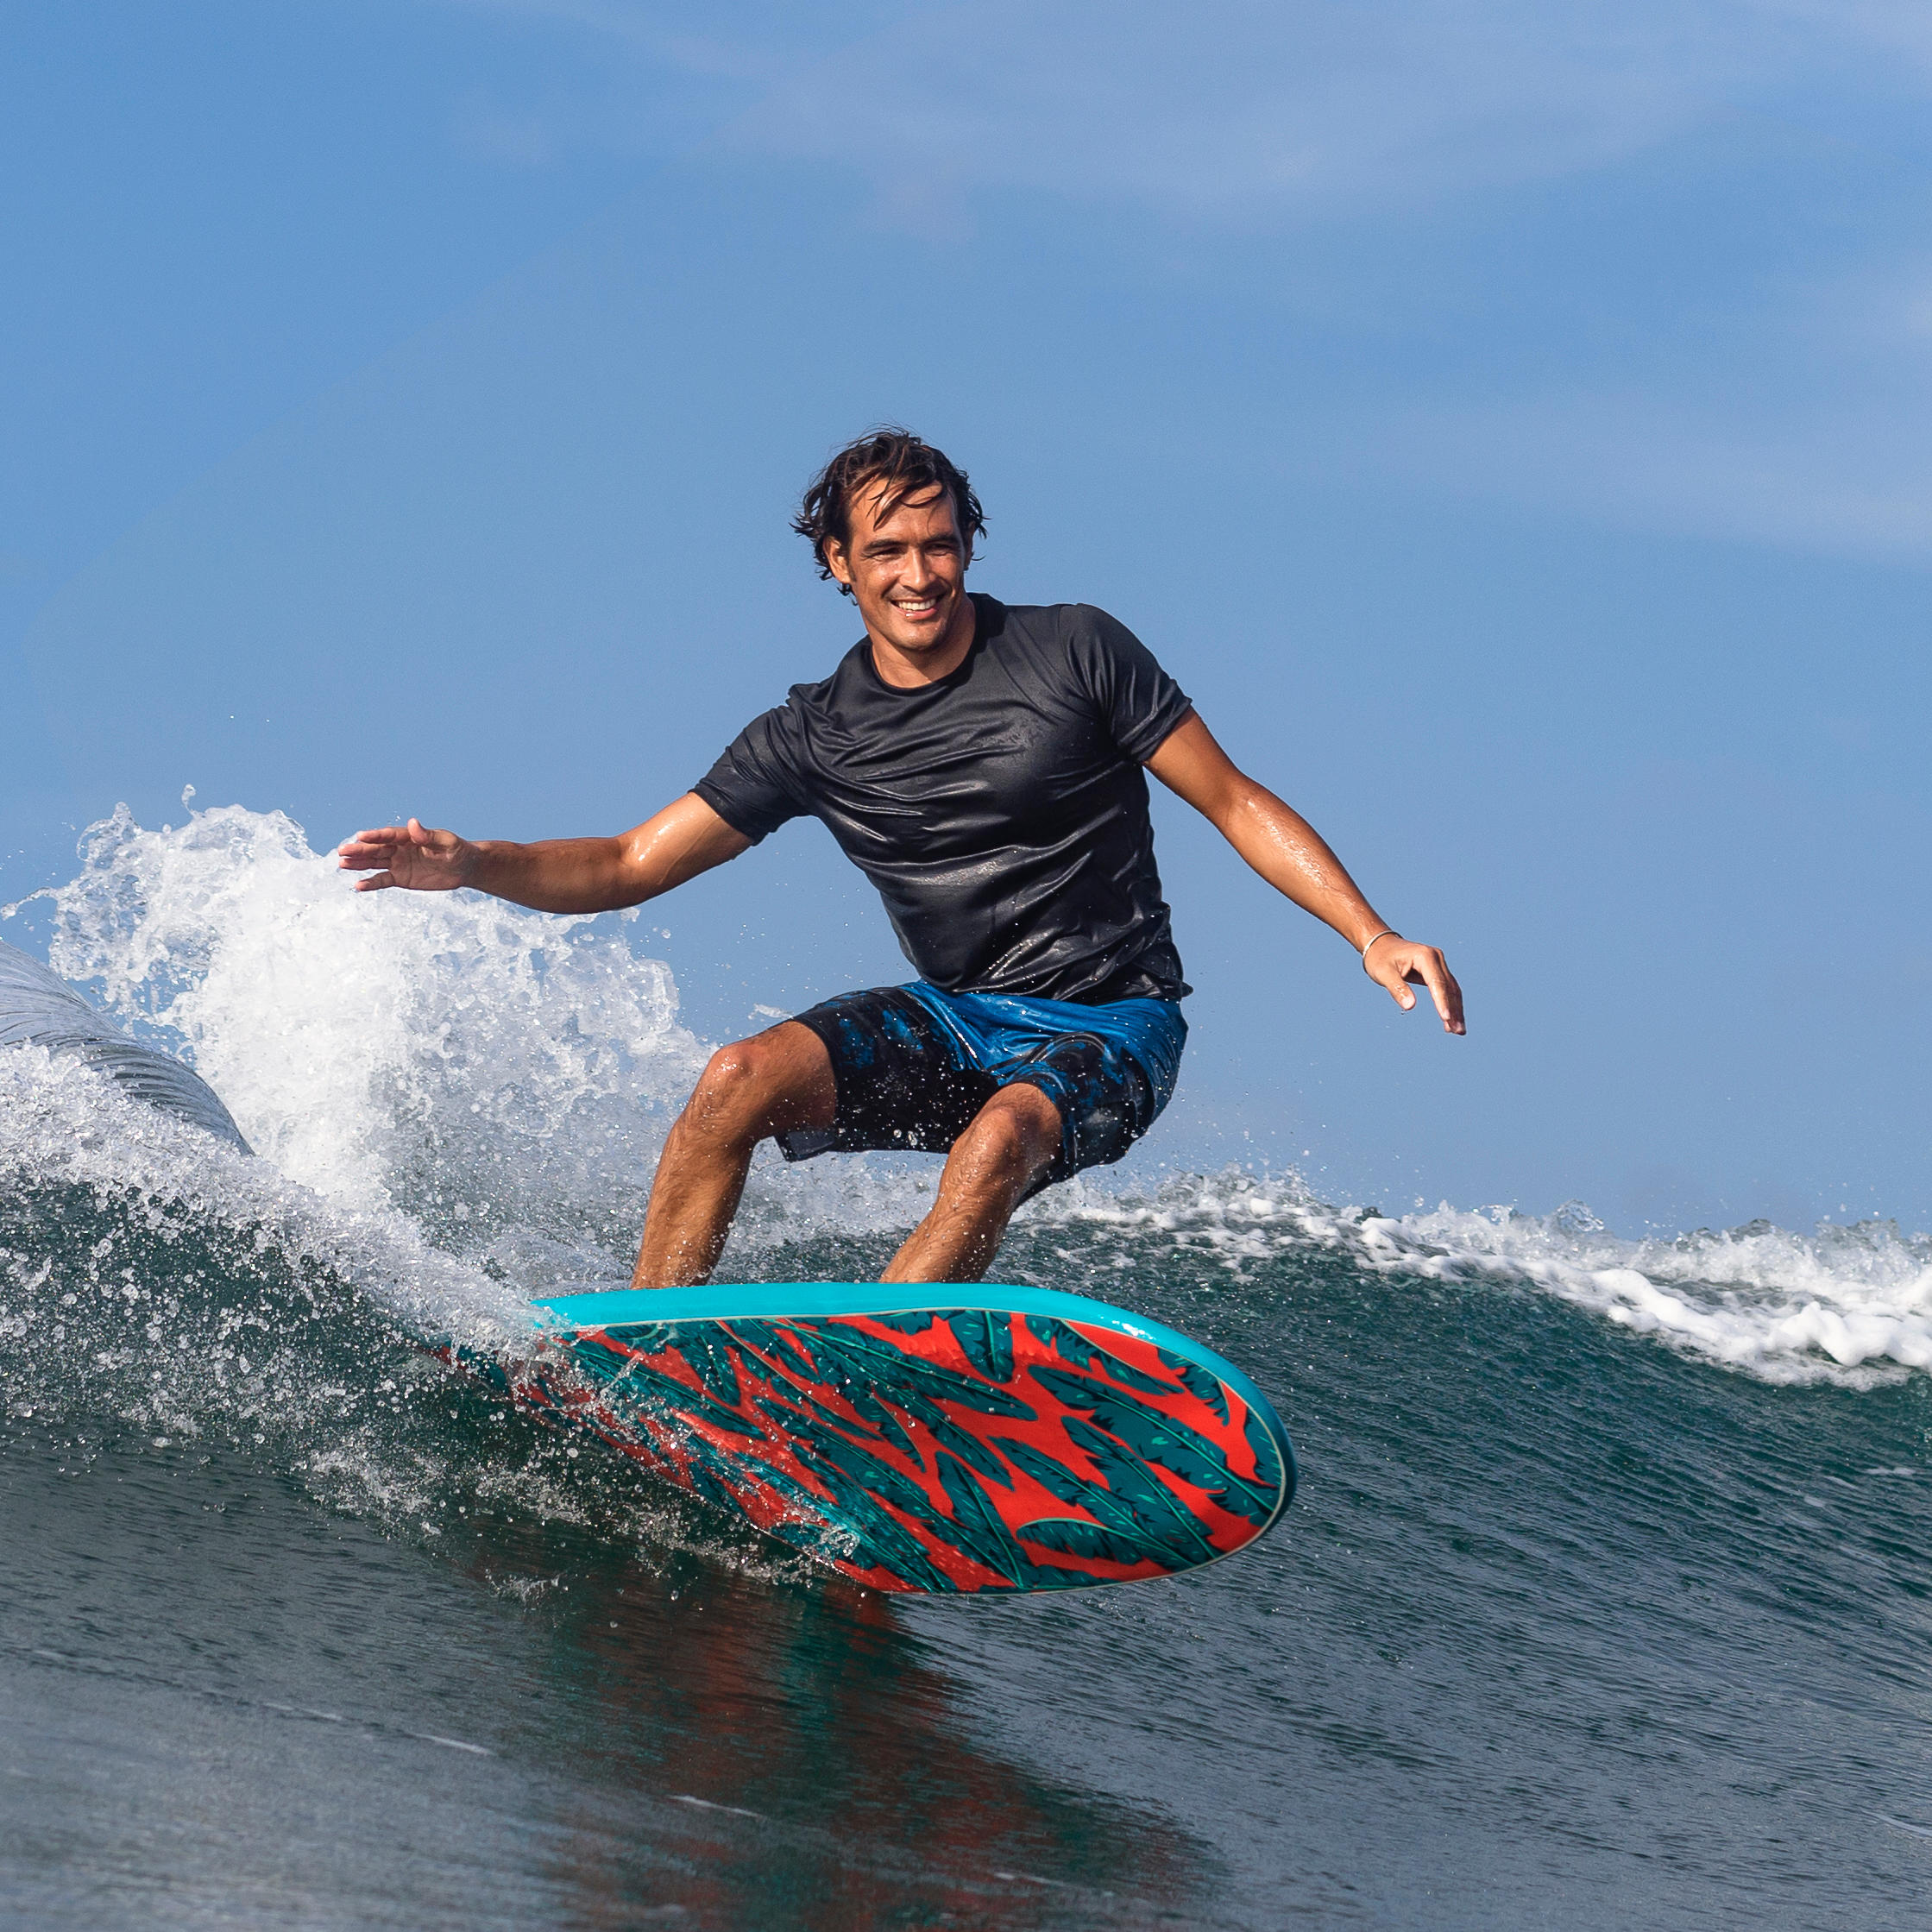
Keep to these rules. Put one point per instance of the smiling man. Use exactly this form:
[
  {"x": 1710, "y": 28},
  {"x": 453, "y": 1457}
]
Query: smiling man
[{"x": 984, "y": 764}]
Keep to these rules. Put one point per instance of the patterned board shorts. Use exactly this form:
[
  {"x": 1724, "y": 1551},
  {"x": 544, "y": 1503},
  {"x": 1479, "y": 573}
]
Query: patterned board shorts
[{"x": 914, "y": 1064}]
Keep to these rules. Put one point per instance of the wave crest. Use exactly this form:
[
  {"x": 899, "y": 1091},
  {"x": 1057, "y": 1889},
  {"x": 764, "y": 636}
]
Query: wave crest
[{"x": 1849, "y": 1305}]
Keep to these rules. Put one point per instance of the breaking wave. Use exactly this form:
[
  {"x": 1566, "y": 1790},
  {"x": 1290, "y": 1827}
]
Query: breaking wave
[{"x": 456, "y": 1104}]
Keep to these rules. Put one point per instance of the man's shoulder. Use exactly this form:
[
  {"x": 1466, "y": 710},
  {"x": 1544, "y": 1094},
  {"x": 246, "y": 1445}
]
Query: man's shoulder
[
  {"x": 1090, "y": 645},
  {"x": 1043, "y": 620},
  {"x": 1079, "y": 637},
  {"x": 821, "y": 694}
]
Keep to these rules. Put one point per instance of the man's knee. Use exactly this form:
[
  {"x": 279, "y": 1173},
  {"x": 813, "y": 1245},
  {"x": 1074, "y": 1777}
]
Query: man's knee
[
  {"x": 763, "y": 1085},
  {"x": 1011, "y": 1138},
  {"x": 736, "y": 1089}
]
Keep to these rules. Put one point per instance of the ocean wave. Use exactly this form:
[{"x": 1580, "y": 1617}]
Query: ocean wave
[
  {"x": 163, "y": 1293},
  {"x": 459, "y": 1103},
  {"x": 67, "y": 1133},
  {"x": 1850, "y": 1305}
]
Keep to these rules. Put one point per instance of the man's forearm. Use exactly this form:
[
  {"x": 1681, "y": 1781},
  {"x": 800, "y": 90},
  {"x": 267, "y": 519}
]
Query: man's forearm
[
  {"x": 1295, "y": 858},
  {"x": 557, "y": 875},
  {"x": 552, "y": 875},
  {"x": 1277, "y": 841}
]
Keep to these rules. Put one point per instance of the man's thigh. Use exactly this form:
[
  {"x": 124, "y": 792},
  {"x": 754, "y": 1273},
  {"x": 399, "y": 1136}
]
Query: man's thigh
[
  {"x": 900, "y": 1082},
  {"x": 1021, "y": 1123},
  {"x": 1101, "y": 1097}
]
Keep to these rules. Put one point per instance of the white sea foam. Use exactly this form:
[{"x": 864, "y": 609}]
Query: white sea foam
[
  {"x": 445, "y": 1053},
  {"x": 1849, "y": 1305},
  {"x": 64, "y": 1124},
  {"x": 504, "y": 1077},
  {"x": 443, "y": 1081}
]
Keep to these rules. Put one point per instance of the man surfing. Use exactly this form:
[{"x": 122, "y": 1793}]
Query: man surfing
[{"x": 984, "y": 764}]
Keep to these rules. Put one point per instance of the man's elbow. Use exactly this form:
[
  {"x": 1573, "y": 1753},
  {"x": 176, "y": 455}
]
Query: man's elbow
[
  {"x": 632, "y": 886},
  {"x": 1240, "y": 804}
]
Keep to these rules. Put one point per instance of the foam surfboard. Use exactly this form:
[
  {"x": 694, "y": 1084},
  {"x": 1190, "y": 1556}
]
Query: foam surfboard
[{"x": 949, "y": 1439}]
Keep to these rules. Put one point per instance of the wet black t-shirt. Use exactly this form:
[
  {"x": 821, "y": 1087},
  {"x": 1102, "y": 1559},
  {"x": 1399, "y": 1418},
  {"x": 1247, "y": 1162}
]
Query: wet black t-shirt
[{"x": 1001, "y": 813}]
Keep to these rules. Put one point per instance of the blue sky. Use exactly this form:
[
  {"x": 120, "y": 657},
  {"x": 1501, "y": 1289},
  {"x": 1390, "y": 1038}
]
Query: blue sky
[{"x": 1508, "y": 422}]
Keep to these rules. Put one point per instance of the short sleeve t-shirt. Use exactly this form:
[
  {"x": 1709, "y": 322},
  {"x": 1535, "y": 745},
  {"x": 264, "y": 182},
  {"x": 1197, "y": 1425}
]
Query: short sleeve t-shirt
[{"x": 1001, "y": 813}]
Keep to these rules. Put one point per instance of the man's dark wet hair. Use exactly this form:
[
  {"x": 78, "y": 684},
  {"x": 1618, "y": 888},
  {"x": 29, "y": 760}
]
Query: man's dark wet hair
[{"x": 901, "y": 465}]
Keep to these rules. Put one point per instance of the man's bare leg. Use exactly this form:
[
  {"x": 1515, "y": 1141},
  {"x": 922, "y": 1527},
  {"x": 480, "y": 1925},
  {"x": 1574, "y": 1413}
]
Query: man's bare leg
[
  {"x": 770, "y": 1083},
  {"x": 1010, "y": 1140}
]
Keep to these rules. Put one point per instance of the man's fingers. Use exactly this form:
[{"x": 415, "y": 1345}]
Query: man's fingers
[
  {"x": 1398, "y": 967},
  {"x": 366, "y": 849},
  {"x": 387, "y": 836},
  {"x": 413, "y": 857},
  {"x": 431, "y": 837},
  {"x": 408, "y": 846},
  {"x": 1432, "y": 970}
]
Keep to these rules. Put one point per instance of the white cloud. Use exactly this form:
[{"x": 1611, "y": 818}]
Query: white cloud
[
  {"x": 753, "y": 40},
  {"x": 1856, "y": 481},
  {"x": 1225, "y": 106},
  {"x": 1781, "y": 420}
]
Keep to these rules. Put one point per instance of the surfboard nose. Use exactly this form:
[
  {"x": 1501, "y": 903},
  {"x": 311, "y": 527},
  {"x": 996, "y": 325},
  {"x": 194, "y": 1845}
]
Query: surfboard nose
[{"x": 38, "y": 1008}]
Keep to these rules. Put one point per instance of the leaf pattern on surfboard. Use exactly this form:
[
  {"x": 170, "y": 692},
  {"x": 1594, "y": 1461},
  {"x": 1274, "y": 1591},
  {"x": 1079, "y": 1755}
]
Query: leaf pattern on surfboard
[
  {"x": 1126, "y": 1498},
  {"x": 1087, "y": 1355},
  {"x": 1163, "y": 1439},
  {"x": 914, "y": 1321},
  {"x": 1196, "y": 1380},
  {"x": 910, "y": 1398},
  {"x": 1071, "y": 1537},
  {"x": 945, "y": 1449},
  {"x": 1108, "y": 1510},
  {"x": 986, "y": 1339}
]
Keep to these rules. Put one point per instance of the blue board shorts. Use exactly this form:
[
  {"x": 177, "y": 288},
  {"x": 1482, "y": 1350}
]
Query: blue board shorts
[{"x": 914, "y": 1065}]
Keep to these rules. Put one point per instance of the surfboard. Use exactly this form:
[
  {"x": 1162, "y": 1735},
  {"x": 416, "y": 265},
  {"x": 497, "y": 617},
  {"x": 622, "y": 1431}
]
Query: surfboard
[{"x": 951, "y": 1440}]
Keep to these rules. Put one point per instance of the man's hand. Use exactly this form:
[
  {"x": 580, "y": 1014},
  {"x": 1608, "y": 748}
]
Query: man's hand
[
  {"x": 1398, "y": 964},
  {"x": 410, "y": 856}
]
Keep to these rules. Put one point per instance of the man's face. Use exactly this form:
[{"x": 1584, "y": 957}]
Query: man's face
[{"x": 907, "y": 570}]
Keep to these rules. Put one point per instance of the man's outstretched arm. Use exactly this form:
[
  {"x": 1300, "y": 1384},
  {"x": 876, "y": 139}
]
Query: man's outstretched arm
[
  {"x": 1290, "y": 854},
  {"x": 554, "y": 875}
]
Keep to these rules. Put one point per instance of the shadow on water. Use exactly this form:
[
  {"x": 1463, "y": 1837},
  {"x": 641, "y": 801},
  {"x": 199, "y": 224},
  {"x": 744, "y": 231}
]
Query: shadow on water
[{"x": 816, "y": 1755}]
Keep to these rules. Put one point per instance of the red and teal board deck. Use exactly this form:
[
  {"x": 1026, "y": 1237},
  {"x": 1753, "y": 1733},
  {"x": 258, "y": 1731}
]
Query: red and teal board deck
[{"x": 1013, "y": 1438}]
